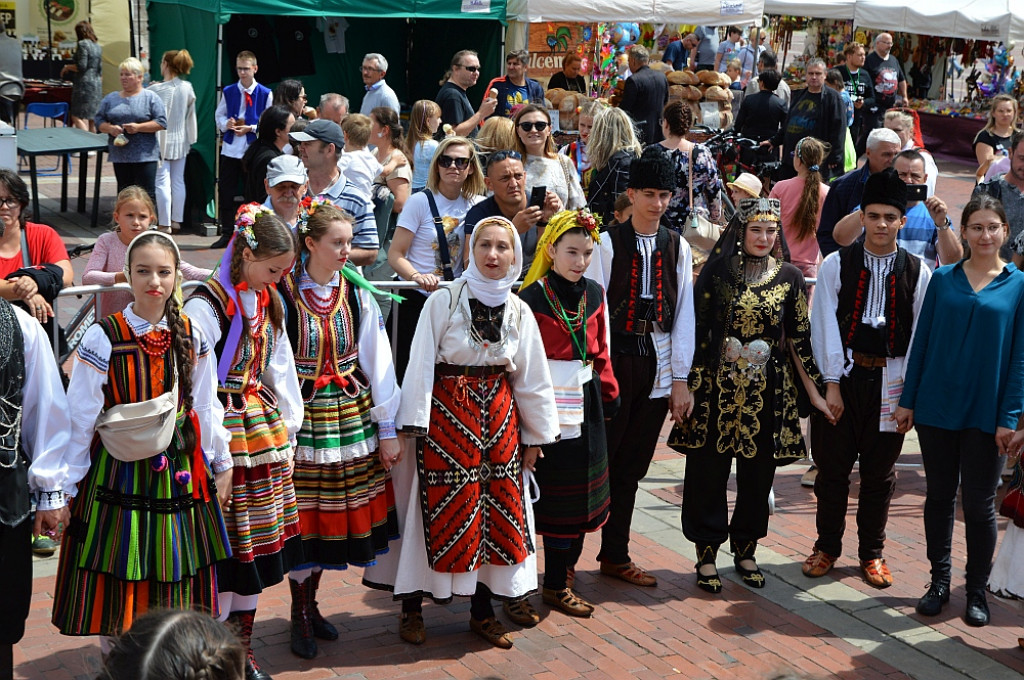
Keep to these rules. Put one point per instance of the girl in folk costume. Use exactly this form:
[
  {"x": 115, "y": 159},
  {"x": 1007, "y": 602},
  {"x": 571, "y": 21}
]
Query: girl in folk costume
[
  {"x": 573, "y": 473},
  {"x": 753, "y": 351},
  {"x": 146, "y": 527},
  {"x": 343, "y": 358},
  {"x": 242, "y": 315},
  {"x": 478, "y": 361}
]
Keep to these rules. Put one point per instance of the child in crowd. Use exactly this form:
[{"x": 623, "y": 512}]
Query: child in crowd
[
  {"x": 133, "y": 214},
  {"x": 347, "y": 441},
  {"x": 175, "y": 644},
  {"x": 424, "y": 120},
  {"x": 146, "y": 527},
  {"x": 242, "y": 315},
  {"x": 359, "y": 166},
  {"x": 732, "y": 69},
  {"x": 623, "y": 208}
]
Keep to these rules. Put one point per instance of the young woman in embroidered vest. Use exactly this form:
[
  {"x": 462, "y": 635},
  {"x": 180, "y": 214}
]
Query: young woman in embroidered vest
[
  {"x": 144, "y": 534},
  {"x": 478, "y": 360},
  {"x": 347, "y": 441},
  {"x": 242, "y": 315},
  {"x": 573, "y": 473},
  {"x": 753, "y": 354}
]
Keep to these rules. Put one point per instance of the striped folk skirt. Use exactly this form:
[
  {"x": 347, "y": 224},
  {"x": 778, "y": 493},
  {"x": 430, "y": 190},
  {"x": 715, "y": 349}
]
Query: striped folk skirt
[
  {"x": 346, "y": 502},
  {"x": 470, "y": 470},
  {"x": 263, "y": 518},
  {"x": 138, "y": 540}
]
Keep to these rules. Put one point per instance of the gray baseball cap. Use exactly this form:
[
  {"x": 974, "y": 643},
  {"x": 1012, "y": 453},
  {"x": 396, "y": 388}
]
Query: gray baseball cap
[
  {"x": 322, "y": 130},
  {"x": 286, "y": 168}
]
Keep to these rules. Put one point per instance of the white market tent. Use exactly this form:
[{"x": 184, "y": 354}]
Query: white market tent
[{"x": 708, "y": 12}]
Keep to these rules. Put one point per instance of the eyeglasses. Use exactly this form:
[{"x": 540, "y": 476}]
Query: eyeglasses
[
  {"x": 368, "y": 69},
  {"x": 994, "y": 228},
  {"x": 499, "y": 156},
  {"x": 446, "y": 161},
  {"x": 8, "y": 202},
  {"x": 539, "y": 126},
  {"x": 471, "y": 69}
]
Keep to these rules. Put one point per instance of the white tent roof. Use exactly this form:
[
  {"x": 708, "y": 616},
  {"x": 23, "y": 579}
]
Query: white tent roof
[
  {"x": 708, "y": 12},
  {"x": 821, "y": 9}
]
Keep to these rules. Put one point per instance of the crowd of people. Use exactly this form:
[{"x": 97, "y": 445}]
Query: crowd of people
[{"x": 209, "y": 449}]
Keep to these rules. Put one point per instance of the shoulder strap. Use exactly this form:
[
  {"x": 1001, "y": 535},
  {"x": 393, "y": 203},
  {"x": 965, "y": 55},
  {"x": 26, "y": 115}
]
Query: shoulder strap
[
  {"x": 442, "y": 238},
  {"x": 26, "y": 261}
]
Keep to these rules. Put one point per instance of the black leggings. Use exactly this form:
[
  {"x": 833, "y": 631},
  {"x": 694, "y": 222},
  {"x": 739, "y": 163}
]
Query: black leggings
[{"x": 479, "y": 604}]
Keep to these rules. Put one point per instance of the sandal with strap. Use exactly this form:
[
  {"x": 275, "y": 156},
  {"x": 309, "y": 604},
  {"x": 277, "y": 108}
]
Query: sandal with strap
[
  {"x": 521, "y": 612},
  {"x": 568, "y": 602},
  {"x": 490, "y": 629},
  {"x": 411, "y": 628},
  {"x": 630, "y": 573},
  {"x": 817, "y": 564}
]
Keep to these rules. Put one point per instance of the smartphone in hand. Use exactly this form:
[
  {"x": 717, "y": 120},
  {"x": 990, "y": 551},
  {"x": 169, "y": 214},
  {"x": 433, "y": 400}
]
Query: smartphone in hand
[{"x": 537, "y": 196}]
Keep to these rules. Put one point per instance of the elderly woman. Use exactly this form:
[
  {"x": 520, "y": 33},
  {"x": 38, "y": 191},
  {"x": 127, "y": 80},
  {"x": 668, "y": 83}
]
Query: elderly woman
[
  {"x": 86, "y": 77},
  {"x": 903, "y": 123},
  {"x": 131, "y": 118},
  {"x": 180, "y": 102},
  {"x": 478, "y": 359}
]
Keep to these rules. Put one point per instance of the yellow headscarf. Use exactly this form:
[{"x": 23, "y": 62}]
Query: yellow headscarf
[{"x": 558, "y": 225}]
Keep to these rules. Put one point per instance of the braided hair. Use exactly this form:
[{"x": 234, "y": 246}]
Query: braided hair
[{"x": 273, "y": 237}]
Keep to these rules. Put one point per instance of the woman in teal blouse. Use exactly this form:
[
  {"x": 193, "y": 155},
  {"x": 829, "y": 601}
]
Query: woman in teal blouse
[{"x": 964, "y": 391}]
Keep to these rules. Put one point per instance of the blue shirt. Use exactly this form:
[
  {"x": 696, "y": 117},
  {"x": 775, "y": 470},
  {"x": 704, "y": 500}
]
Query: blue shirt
[
  {"x": 675, "y": 54},
  {"x": 966, "y": 365},
  {"x": 919, "y": 235}
]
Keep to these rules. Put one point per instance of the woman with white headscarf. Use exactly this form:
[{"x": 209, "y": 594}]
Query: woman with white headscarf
[{"x": 477, "y": 403}]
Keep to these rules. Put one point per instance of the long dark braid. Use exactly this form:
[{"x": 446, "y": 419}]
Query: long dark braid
[{"x": 184, "y": 353}]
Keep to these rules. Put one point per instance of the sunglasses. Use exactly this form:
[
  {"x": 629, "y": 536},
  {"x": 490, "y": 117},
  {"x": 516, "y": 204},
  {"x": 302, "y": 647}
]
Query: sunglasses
[
  {"x": 499, "y": 156},
  {"x": 471, "y": 69},
  {"x": 539, "y": 126},
  {"x": 446, "y": 161}
]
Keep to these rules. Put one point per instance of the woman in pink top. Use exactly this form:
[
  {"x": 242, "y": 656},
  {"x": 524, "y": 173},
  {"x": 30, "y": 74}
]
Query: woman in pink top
[
  {"x": 133, "y": 213},
  {"x": 802, "y": 198}
]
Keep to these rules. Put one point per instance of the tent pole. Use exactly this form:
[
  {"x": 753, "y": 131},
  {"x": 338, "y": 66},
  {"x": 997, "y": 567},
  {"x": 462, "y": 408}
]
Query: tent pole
[{"x": 222, "y": 229}]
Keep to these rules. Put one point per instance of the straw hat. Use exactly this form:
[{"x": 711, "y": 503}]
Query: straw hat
[{"x": 748, "y": 184}]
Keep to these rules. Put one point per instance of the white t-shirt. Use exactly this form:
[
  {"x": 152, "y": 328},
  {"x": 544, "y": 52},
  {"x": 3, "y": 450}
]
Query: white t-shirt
[
  {"x": 423, "y": 252},
  {"x": 360, "y": 168}
]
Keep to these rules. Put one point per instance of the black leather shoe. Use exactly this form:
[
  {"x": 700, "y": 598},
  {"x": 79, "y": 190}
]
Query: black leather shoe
[
  {"x": 977, "y": 610},
  {"x": 752, "y": 577},
  {"x": 931, "y": 603},
  {"x": 221, "y": 242},
  {"x": 710, "y": 583},
  {"x": 253, "y": 671}
]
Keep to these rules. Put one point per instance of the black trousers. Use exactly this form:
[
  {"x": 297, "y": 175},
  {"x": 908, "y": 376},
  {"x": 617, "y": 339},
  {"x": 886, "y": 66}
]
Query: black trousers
[
  {"x": 408, "y": 318},
  {"x": 229, "y": 185},
  {"x": 138, "y": 174},
  {"x": 632, "y": 435},
  {"x": 968, "y": 460},
  {"x": 837, "y": 448},
  {"x": 705, "y": 504},
  {"x": 16, "y": 576}
]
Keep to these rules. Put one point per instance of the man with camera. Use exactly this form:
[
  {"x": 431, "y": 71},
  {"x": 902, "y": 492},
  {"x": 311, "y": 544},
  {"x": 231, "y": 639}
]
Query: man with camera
[{"x": 929, "y": 232}]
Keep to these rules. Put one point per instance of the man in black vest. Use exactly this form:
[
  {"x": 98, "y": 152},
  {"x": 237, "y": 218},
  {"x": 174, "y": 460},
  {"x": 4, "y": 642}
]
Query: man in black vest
[
  {"x": 646, "y": 270},
  {"x": 31, "y": 390},
  {"x": 866, "y": 305}
]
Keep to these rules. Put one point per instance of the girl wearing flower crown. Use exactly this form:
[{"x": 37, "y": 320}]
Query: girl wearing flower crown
[
  {"x": 144, "y": 534},
  {"x": 347, "y": 441},
  {"x": 243, "y": 317}
]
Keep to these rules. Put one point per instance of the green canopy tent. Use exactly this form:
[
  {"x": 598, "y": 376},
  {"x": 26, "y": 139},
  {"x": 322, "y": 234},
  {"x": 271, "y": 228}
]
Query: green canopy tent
[{"x": 418, "y": 37}]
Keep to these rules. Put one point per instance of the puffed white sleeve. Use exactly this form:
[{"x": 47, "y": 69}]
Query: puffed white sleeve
[
  {"x": 45, "y": 426},
  {"x": 600, "y": 270},
  {"x": 531, "y": 384},
  {"x": 826, "y": 341},
  {"x": 201, "y": 314},
  {"x": 214, "y": 437},
  {"x": 418, "y": 385},
  {"x": 85, "y": 401},
  {"x": 281, "y": 377},
  {"x": 375, "y": 360},
  {"x": 684, "y": 328}
]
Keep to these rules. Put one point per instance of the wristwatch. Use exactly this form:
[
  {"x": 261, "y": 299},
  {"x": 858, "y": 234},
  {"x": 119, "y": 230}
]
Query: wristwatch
[{"x": 947, "y": 225}]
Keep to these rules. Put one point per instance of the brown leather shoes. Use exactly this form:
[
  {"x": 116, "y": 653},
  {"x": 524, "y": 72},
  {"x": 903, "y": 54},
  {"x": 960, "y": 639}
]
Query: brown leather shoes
[
  {"x": 521, "y": 612},
  {"x": 630, "y": 573},
  {"x": 491, "y": 630},
  {"x": 818, "y": 564},
  {"x": 567, "y": 601},
  {"x": 411, "y": 628},
  {"x": 876, "y": 572}
]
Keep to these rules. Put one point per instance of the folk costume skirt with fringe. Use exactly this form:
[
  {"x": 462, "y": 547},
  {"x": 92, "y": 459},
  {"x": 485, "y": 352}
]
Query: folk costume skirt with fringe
[
  {"x": 263, "y": 518},
  {"x": 345, "y": 498},
  {"x": 138, "y": 539}
]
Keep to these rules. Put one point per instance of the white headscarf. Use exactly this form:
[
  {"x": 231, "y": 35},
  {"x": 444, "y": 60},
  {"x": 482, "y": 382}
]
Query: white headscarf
[{"x": 493, "y": 292}]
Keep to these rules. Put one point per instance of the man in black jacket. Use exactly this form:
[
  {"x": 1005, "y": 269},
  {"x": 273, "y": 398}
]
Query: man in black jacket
[
  {"x": 645, "y": 95},
  {"x": 762, "y": 114},
  {"x": 815, "y": 112}
]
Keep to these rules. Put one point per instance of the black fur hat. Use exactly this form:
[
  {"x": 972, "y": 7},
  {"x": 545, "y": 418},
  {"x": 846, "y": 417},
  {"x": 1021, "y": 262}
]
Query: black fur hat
[
  {"x": 653, "y": 170},
  {"x": 887, "y": 188}
]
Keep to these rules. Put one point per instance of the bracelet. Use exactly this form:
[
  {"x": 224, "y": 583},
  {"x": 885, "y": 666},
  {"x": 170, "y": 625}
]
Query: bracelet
[
  {"x": 386, "y": 429},
  {"x": 412, "y": 277}
]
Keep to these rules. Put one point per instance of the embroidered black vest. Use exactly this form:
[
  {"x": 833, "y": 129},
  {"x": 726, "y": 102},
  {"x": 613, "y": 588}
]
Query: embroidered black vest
[
  {"x": 14, "y": 492},
  {"x": 624, "y": 285},
  {"x": 899, "y": 299}
]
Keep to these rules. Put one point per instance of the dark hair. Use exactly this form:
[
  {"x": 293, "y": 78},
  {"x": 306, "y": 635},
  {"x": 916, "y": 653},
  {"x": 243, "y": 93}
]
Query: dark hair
[
  {"x": 733, "y": 29},
  {"x": 178, "y": 61},
  {"x": 273, "y": 119},
  {"x": 175, "y": 643},
  {"x": 769, "y": 79},
  {"x": 910, "y": 155},
  {"x": 287, "y": 93},
  {"x": 84, "y": 31},
  {"x": 549, "y": 149},
  {"x": 522, "y": 56},
  {"x": 18, "y": 190},
  {"x": 834, "y": 77},
  {"x": 581, "y": 231},
  {"x": 977, "y": 203},
  {"x": 386, "y": 117},
  {"x": 622, "y": 202},
  {"x": 181, "y": 339},
  {"x": 768, "y": 59},
  {"x": 1015, "y": 140},
  {"x": 678, "y": 117},
  {"x": 273, "y": 238},
  {"x": 318, "y": 224}
]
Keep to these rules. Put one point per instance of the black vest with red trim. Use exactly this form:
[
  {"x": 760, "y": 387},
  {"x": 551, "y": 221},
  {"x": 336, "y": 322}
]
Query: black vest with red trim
[
  {"x": 893, "y": 339},
  {"x": 624, "y": 284}
]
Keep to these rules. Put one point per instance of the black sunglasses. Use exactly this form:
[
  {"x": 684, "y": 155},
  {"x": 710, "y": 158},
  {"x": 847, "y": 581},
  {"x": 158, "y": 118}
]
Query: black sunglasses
[
  {"x": 539, "y": 126},
  {"x": 446, "y": 161},
  {"x": 499, "y": 156},
  {"x": 471, "y": 69}
]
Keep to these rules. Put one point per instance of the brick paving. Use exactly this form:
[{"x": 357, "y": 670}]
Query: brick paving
[{"x": 837, "y": 626}]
